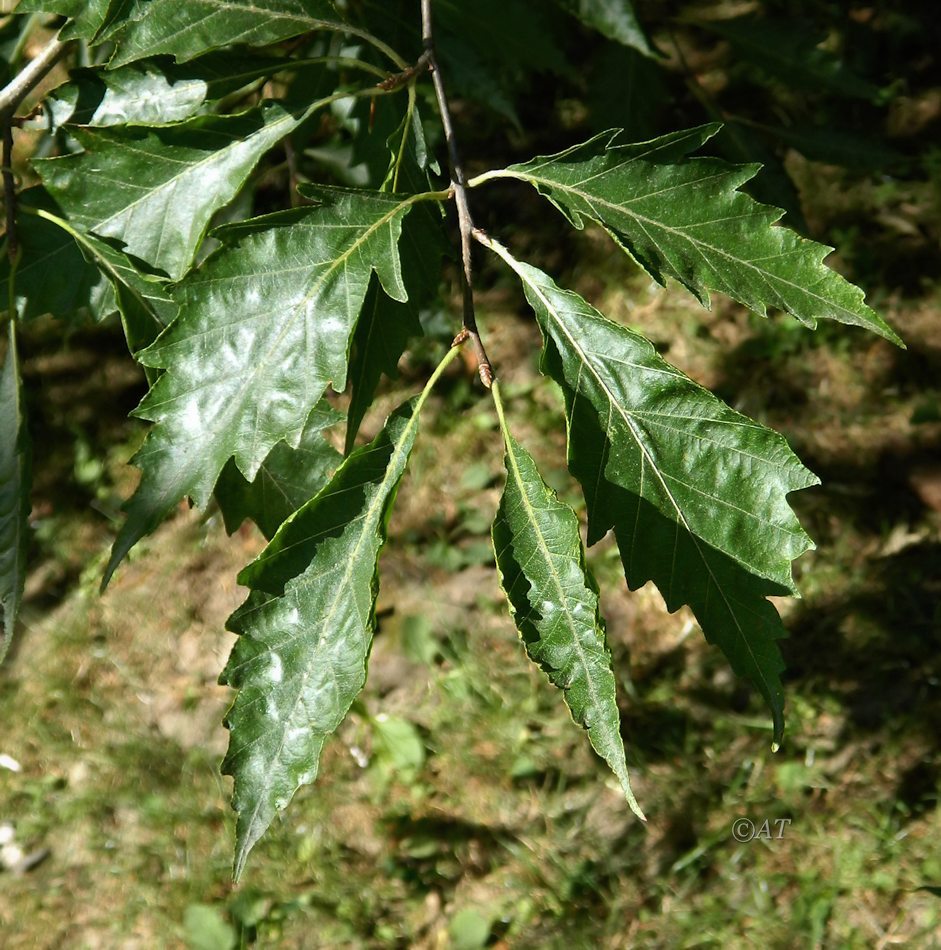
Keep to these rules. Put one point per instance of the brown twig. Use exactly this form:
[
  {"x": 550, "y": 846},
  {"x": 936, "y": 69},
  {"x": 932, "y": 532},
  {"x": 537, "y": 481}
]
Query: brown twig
[
  {"x": 10, "y": 98},
  {"x": 403, "y": 78},
  {"x": 459, "y": 185},
  {"x": 31, "y": 75}
]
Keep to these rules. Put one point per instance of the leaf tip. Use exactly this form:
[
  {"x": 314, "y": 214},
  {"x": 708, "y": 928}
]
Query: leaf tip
[
  {"x": 777, "y": 736},
  {"x": 118, "y": 552},
  {"x": 106, "y": 577},
  {"x": 889, "y": 334},
  {"x": 238, "y": 864},
  {"x": 636, "y": 809},
  {"x": 710, "y": 130},
  {"x": 630, "y": 799}
]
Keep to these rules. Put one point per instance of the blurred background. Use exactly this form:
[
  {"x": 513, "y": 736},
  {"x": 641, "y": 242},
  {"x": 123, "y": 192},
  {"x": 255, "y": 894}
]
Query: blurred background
[{"x": 458, "y": 806}]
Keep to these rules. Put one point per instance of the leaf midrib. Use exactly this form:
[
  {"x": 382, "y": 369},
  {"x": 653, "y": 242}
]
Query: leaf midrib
[
  {"x": 369, "y": 521},
  {"x": 226, "y": 8},
  {"x": 681, "y": 516},
  {"x": 234, "y": 405},
  {"x": 591, "y": 200},
  {"x": 171, "y": 183},
  {"x": 561, "y": 599}
]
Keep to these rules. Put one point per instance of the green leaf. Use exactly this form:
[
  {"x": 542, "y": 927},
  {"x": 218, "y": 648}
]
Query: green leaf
[
  {"x": 614, "y": 18},
  {"x": 306, "y": 629},
  {"x": 264, "y": 327},
  {"x": 286, "y": 480},
  {"x": 78, "y": 287},
  {"x": 686, "y": 220},
  {"x": 494, "y": 67},
  {"x": 206, "y": 928},
  {"x": 14, "y": 491},
  {"x": 696, "y": 493},
  {"x": 155, "y": 190},
  {"x": 153, "y": 93},
  {"x": 522, "y": 42},
  {"x": 382, "y": 335},
  {"x": 469, "y": 929},
  {"x": 145, "y": 306},
  {"x": 87, "y": 16},
  {"x": 554, "y": 601},
  {"x": 397, "y": 747},
  {"x": 187, "y": 30},
  {"x": 789, "y": 51},
  {"x": 628, "y": 90},
  {"x": 835, "y": 146},
  {"x": 386, "y": 325}
]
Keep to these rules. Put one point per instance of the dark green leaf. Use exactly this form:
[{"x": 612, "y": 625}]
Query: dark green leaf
[
  {"x": 145, "y": 306},
  {"x": 376, "y": 130},
  {"x": 696, "y": 493},
  {"x": 554, "y": 601},
  {"x": 286, "y": 480},
  {"x": 187, "y": 30},
  {"x": 614, "y": 18},
  {"x": 78, "y": 287},
  {"x": 386, "y": 325},
  {"x": 729, "y": 602},
  {"x": 14, "y": 491},
  {"x": 493, "y": 66},
  {"x": 87, "y": 16},
  {"x": 264, "y": 327},
  {"x": 835, "y": 146},
  {"x": 628, "y": 90},
  {"x": 153, "y": 93},
  {"x": 382, "y": 335},
  {"x": 743, "y": 144},
  {"x": 155, "y": 190},
  {"x": 686, "y": 220},
  {"x": 522, "y": 42},
  {"x": 13, "y": 32},
  {"x": 789, "y": 51},
  {"x": 306, "y": 629}
]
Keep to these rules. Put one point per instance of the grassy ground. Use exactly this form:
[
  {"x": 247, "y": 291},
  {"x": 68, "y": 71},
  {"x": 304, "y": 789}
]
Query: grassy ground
[{"x": 459, "y": 806}]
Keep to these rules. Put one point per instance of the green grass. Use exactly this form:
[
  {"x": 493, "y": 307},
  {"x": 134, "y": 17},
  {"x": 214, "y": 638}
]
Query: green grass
[{"x": 459, "y": 806}]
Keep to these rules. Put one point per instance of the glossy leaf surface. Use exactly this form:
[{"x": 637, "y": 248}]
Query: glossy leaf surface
[
  {"x": 696, "y": 493},
  {"x": 306, "y": 629},
  {"x": 86, "y": 16},
  {"x": 186, "y": 30},
  {"x": 685, "y": 219},
  {"x": 616, "y": 19},
  {"x": 554, "y": 601},
  {"x": 156, "y": 189},
  {"x": 14, "y": 491},
  {"x": 151, "y": 93},
  {"x": 288, "y": 477},
  {"x": 264, "y": 328}
]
